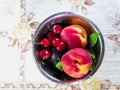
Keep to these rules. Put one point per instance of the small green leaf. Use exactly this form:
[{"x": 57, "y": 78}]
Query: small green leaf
[
  {"x": 93, "y": 65},
  {"x": 59, "y": 66},
  {"x": 92, "y": 68},
  {"x": 92, "y": 53},
  {"x": 93, "y": 39}
]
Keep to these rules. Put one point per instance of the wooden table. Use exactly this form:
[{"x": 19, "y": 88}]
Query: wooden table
[{"x": 20, "y": 18}]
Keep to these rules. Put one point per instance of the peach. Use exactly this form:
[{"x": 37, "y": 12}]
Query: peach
[
  {"x": 74, "y": 36},
  {"x": 76, "y": 62}
]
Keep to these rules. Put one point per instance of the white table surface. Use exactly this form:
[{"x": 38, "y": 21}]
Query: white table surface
[{"x": 20, "y": 18}]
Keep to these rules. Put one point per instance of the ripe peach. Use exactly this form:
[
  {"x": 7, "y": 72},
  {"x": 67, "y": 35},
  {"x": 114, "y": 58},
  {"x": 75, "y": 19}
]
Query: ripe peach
[
  {"x": 76, "y": 62},
  {"x": 74, "y": 36}
]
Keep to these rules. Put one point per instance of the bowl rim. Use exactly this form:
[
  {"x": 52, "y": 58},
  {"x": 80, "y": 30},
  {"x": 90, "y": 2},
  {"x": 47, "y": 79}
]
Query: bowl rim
[{"x": 93, "y": 25}]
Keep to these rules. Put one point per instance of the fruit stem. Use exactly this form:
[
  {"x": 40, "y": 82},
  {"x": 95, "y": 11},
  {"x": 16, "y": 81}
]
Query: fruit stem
[
  {"x": 49, "y": 27},
  {"x": 33, "y": 41},
  {"x": 75, "y": 61}
]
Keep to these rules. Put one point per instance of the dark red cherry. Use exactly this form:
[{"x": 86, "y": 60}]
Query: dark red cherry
[
  {"x": 50, "y": 35},
  {"x": 44, "y": 54},
  {"x": 60, "y": 47},
  {"x": 55, "y": 41},
  {"x": 57, "y": 29},
  {"x": 45, "y": 42}
]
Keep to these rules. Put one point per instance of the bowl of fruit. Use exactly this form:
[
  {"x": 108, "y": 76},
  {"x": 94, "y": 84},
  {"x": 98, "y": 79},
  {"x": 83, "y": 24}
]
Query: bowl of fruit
[{"x": 68, "y": 48}]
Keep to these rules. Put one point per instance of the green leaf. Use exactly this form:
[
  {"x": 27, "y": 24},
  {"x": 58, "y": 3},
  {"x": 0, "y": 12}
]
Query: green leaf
[
  {"x": 93, "y": 65},
  {"x": 92, "y": 53},
  {"x": 93, "y": 39},
  {"x": 59, "y": 66}
]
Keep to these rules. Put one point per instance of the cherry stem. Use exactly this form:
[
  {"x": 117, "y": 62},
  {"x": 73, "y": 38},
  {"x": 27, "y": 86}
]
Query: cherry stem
[
  {"x": 49, "y": 27},
  {"x": 33, "y": 41}
]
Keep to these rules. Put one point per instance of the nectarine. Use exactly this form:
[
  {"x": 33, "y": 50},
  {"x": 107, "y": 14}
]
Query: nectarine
[
  {"x": 76, "y": 62},
  {"x": 74, "y": 36}
]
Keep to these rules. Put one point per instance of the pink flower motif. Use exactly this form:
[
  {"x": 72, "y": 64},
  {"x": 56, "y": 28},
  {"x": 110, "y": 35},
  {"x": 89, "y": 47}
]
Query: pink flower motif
[
  {"x": 82, "y": 5},
  {"x": 89, "y": 2}
]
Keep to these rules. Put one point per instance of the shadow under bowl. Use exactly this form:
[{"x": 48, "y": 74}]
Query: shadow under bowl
[{"x": 66, "y": 19}]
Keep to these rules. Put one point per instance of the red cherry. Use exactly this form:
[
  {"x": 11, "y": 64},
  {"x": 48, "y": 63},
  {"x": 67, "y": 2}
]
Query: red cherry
[
  {"x": 60, "y": 47},
  {"x": 55, "y": 41},
  {"x": 44, "y": 54},
  {"x": 50, "y": 35},
  {"x": 57, "y": 29},
  {"x": 45, "y": 42}
]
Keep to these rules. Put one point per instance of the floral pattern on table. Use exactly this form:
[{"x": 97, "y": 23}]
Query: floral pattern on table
[
  {"x": 82, "y": 5},
  {"x": 20, "y": 37},
  {"x": 115, "y": 37}
]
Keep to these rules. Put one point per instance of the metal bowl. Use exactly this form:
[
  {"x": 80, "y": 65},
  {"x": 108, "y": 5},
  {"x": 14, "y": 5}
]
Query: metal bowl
[{"x": 67, "y": 18}]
